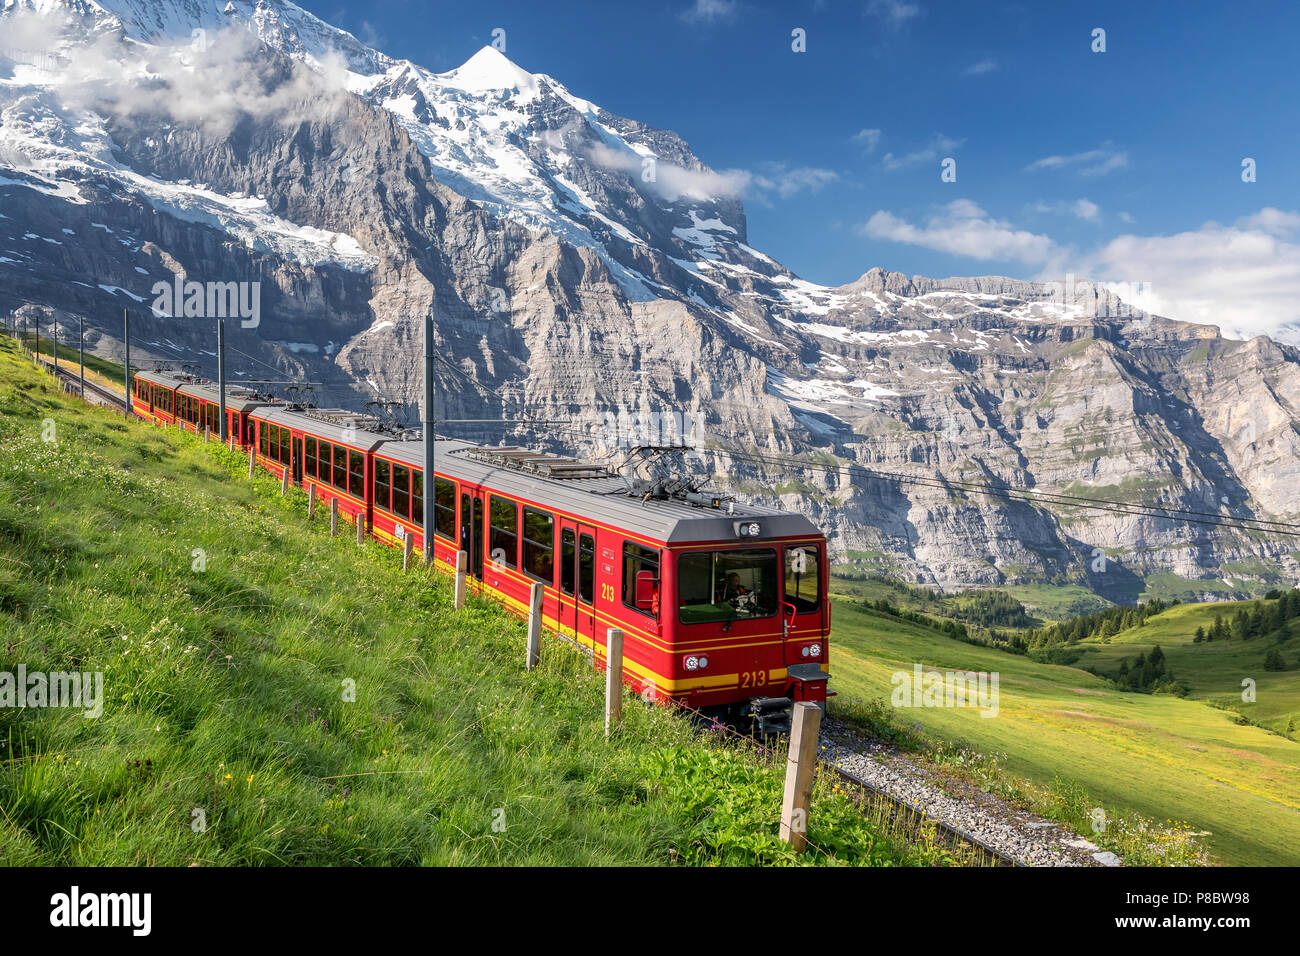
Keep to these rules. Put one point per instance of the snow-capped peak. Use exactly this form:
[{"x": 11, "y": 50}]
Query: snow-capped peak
[{"x": 489, "y": 69}]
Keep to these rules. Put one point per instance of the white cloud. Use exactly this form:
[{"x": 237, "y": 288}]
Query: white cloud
[
  {"x": 214, "y": 84},
  {"x": 711, "y": 11},
  {"x": 1273, "y": 221},
  {"x": 673, "y": 182},
  {"x": 962, "y": 228},
  {"x": 868, "y": 139},
  {"x": 1093, "y": 162},
  {"x": 788, "y": 182},
  {"x": 939, "y": 145},
  {"x": 983, "y": 66},
  {"x": 894, "y": 13},
  {"x": 1244, "y": 278},
  {"x": 1084, "y": 209}
]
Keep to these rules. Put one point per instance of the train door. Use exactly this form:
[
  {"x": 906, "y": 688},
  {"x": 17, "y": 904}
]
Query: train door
[
  {"x": 296, "y": 456},
  {"x": 578, "y": 581},
  {"x": 472, "y": 541}
]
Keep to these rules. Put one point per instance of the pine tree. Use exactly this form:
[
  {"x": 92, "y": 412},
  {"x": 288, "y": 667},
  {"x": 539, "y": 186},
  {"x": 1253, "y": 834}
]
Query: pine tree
[
  {"x": 1273, "y": 660},
  {"x": 1200, "y": 635}
]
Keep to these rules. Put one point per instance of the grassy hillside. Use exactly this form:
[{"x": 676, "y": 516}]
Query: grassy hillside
[
  {"x": 1211, "y": 670},
  {"x": 275, "y": 696},
  {"x": 1166, "y": 758}
]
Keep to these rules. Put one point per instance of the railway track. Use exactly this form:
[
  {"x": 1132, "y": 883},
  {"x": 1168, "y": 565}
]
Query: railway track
[
  {"x": 68, "y": 377},
  {"x": 911, "y": 818}
]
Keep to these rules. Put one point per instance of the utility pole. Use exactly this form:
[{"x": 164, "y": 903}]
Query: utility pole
[
  {"x": 221, "y": 374},
  {"x": 427, "y": 408},
  {"x": 126, "y": 340},
  {"x": 81, "y": 351},
  {"x": 55, "y": 350}
]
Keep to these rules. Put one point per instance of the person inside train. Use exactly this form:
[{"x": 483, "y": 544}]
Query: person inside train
[{"x": 734, "y": 588}]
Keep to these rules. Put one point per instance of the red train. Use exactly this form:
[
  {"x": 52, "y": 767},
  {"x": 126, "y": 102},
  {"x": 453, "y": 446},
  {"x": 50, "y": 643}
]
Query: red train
[{"x": 723, "y": 607}]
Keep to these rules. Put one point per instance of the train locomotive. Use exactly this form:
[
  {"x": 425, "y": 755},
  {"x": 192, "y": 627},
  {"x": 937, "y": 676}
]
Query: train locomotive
[{"x": 723, "y": 606}]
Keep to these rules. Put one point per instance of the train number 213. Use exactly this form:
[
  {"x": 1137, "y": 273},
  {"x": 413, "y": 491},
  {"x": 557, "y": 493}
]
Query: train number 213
[{"x": 753, "y": 678}]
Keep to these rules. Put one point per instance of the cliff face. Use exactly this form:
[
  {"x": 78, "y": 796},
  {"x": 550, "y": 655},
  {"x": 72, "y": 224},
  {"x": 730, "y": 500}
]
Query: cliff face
[{"x": 580, "y": 264}]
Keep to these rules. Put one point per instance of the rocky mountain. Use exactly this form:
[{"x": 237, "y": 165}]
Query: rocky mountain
[{"x": 586, "y": 267}]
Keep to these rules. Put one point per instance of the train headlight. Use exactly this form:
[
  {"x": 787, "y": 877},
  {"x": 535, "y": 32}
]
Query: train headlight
[
  {"x": 804, "y": 650},
  {"x": 814, "y": 650},
  {"x": 695, "y": 663}
]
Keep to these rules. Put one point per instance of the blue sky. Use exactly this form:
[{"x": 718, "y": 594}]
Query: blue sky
[{"x": 1123, "y": 165}]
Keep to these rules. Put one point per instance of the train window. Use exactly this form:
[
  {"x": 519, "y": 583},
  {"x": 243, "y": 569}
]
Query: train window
[
  {"x": 727, "y": 585},
  {"x": 539, "y": 544},
  {"x": 503, "y": 531},
  {"x": 586, "y": 568},
  {"x": 802, "y": 578},
  {"x": 417, "y": 497},
  {"x": 356, "y": 474},
  {"x": 636, "y": 559},
  {"x": 444, "y": 508},
  {"x": 262, "y": 432},
  {"x": 286, "y": 436},
  {"x": 340, "y": 476},
  {"x": 402, "y": 491},
  {"x": 568, "y": 553},
  {"x": 383, "y": 485},
  {"x": 311, "y": 457}
]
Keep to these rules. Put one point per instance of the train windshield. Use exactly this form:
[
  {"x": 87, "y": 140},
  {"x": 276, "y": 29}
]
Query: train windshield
[{"x": 727, "y": 585}]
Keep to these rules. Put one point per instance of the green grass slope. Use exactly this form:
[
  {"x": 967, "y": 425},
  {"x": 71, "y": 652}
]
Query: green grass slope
[
  {"x": 1212, "y": 670},
  {"x": 275, "y": 696},
  {"x": 1166, "y": 758}
]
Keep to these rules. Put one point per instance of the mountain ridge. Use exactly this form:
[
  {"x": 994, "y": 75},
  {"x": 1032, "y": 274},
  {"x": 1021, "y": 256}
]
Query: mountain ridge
[{"x": 366, "y": 191}]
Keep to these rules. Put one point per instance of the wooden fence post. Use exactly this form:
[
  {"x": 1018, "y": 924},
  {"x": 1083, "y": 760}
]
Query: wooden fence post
[
  {"x": 311, "y": 502},
  {"x": 613, "y": 679},
  {"x": 207, "y": 434},
  {"x": 408, "y": 549},
  {"x": 801, "y": 761},
  {"x": 284, "y": 482},
  {"x": 462, "y": 560},
  {"x": 361, "y": 527},
  {"x": 533, "y": 657},
  {"x": 252, "y": 459},
  {"x": 334, "y": 517}
]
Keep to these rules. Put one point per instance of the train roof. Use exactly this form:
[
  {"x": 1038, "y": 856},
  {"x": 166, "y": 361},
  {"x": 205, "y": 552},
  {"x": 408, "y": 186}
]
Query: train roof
[
  {"x": 238, "y": 397},
  {"x": 315, "y": 423},
  {"x": 605, "y": 499},
  {"x": 602, "y": 499}
]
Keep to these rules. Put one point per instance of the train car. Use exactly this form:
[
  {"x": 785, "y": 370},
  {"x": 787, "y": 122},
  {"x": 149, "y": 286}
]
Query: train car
[
  {"x": 723, "y": 606},
  {"x": 329, "y": 449},
  {"x": 169, "y": 398}
]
